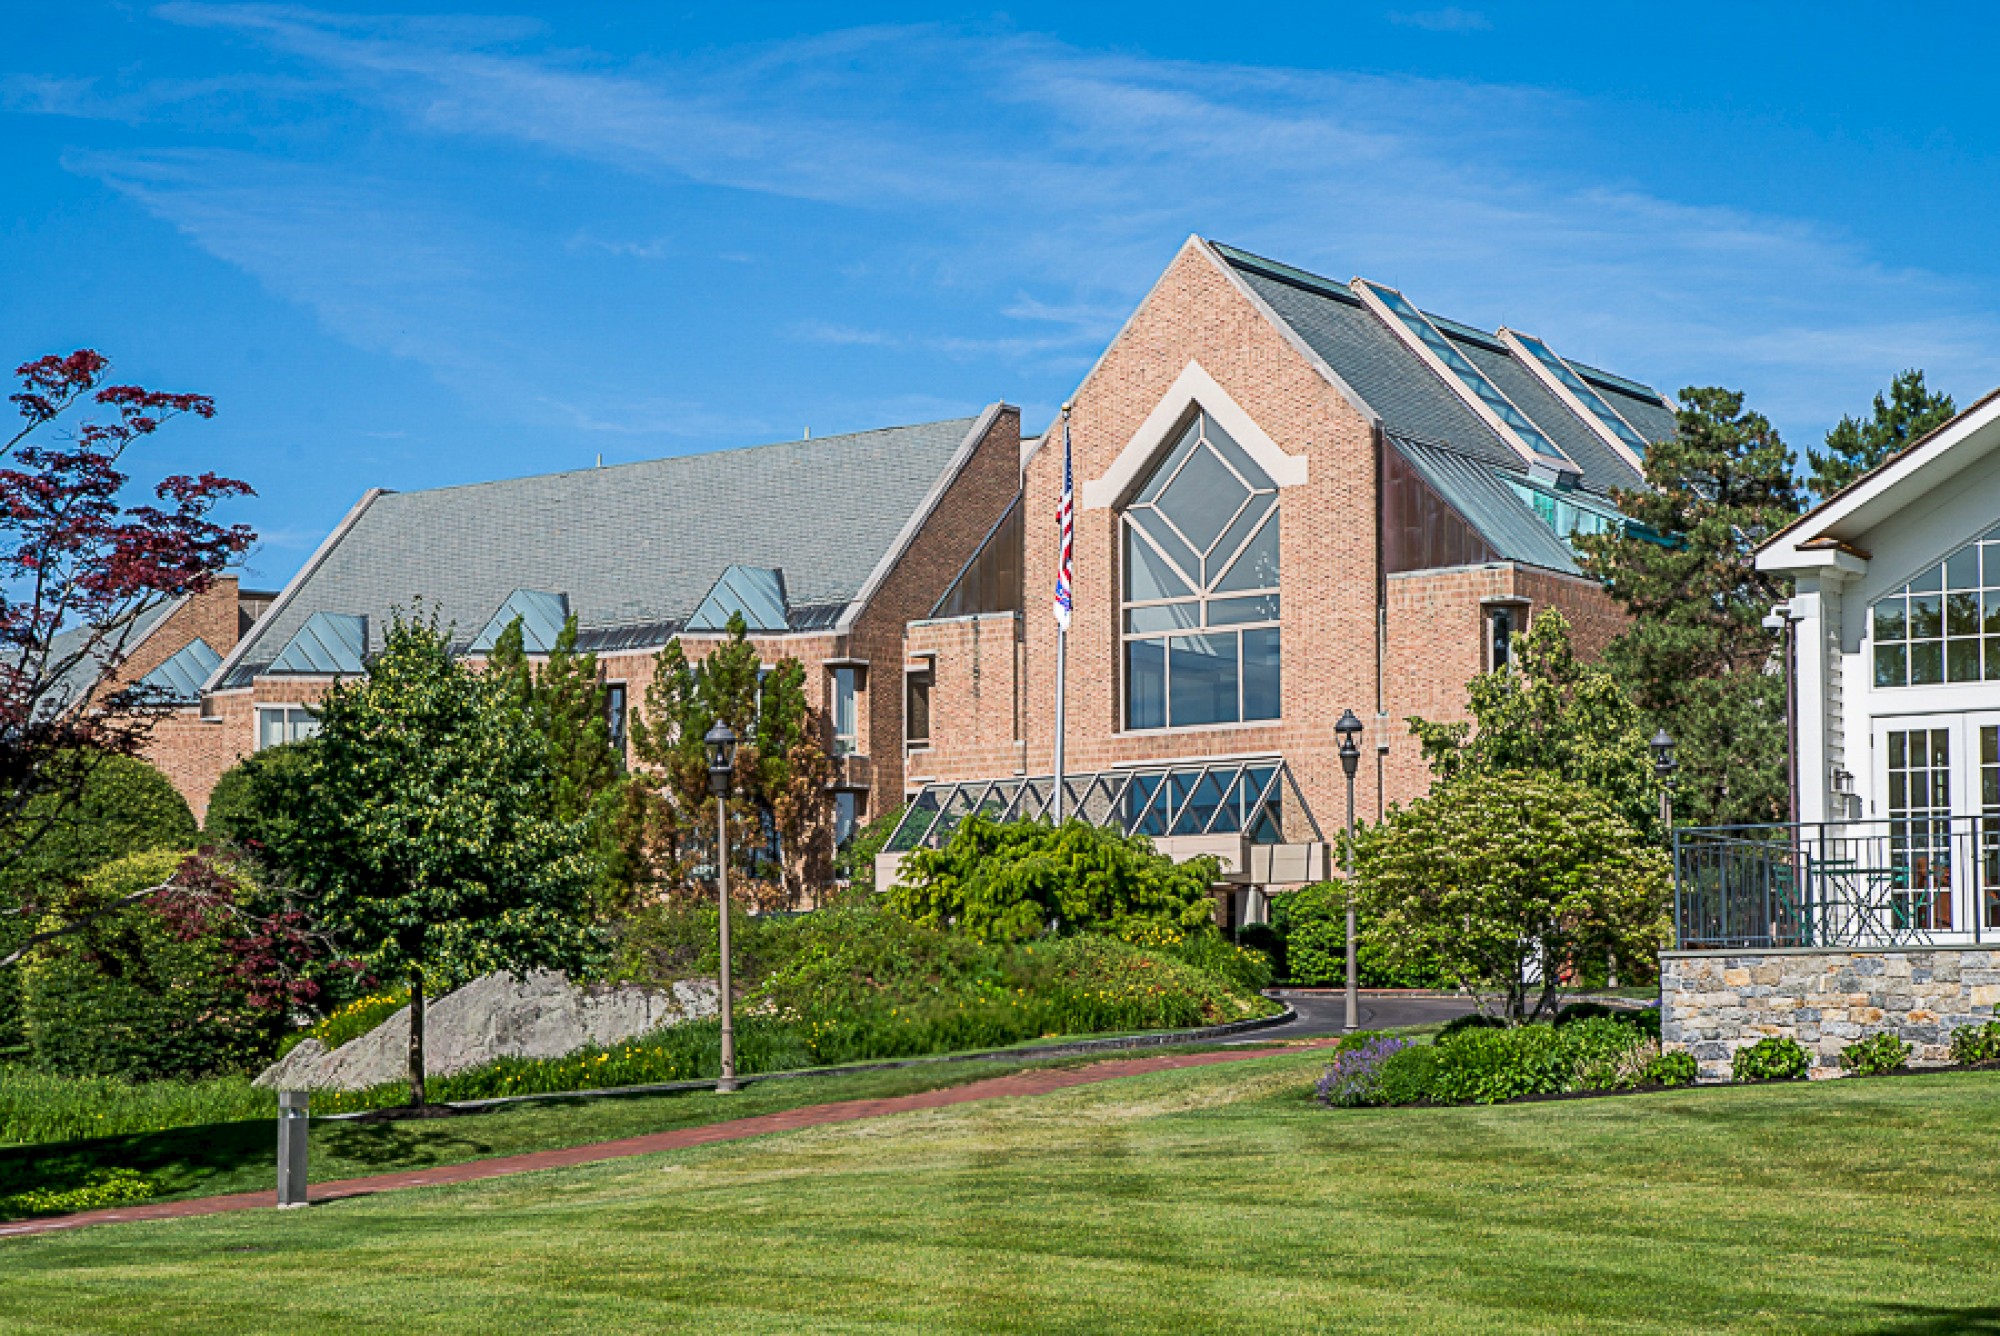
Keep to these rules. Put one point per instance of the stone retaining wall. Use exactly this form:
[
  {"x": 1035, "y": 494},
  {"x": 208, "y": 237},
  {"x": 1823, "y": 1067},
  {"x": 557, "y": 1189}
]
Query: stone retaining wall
[{"x": 1714, "y": 1002}]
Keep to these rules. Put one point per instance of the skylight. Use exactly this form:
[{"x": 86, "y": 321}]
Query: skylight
[
  {"x": 1524, "y": 435},
  {"x": 1569, "y": 386}
]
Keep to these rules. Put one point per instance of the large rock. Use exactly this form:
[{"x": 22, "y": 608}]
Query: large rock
[{"x": 538, "y": 1015}]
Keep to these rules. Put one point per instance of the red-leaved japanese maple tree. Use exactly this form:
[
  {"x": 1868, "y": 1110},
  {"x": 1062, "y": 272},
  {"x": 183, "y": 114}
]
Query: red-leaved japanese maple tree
[{"x": 81, "y": 566}]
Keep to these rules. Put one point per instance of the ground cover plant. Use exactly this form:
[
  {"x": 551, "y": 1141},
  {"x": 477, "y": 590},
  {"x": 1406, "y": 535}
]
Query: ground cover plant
[{"x": 1769, "y": 1209}]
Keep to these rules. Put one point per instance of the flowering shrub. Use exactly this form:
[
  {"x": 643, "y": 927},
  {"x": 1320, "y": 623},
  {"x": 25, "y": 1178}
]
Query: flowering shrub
[
  {"x": 1355, "y": 1074},
  {"x": 352, "y": 1021}
]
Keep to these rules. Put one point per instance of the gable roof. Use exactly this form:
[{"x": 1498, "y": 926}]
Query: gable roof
[
  {"x": 1429, "y": 419},
  {"x": 179, "y": 676},
  {"x": 633, "y": 547},
  {"x": 754, "y": 593}
]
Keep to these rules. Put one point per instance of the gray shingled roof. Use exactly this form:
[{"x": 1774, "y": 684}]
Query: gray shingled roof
[
  {"x": 1451, "y": 446},
  {"x": 635, "y": 547}
]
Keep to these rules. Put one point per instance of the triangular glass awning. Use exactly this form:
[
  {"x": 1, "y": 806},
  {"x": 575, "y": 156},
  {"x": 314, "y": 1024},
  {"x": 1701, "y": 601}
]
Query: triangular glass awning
[
  {"x": 329, "y": 642},
  {"x": 756, "y": 593},
  {"x": 179, "y": 677},
  {"x": 542, "y": 616}
]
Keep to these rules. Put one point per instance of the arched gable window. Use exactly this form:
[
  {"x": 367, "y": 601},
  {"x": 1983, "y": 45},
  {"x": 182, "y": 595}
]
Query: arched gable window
[
  {"x": 1944, "y": 625},
  {"x": 1200, "y": 544}
]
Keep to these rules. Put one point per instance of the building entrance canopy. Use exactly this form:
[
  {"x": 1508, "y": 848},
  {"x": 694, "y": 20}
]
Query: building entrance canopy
[{"x": 1255, "y": 803}]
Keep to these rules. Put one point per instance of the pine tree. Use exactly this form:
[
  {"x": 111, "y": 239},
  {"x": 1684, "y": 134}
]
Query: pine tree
[
  {"x": 1696, "y": 657},
  {"x": 1854, "y": 447}
]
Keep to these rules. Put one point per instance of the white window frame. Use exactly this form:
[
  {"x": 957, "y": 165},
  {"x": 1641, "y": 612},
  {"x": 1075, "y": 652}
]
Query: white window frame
[{"x": 290, "y": 726}]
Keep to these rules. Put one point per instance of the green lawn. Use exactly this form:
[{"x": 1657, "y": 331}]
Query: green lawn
[
  {"x": 216, "y": 1158},
  {"x": 1216, "y": 1199}
]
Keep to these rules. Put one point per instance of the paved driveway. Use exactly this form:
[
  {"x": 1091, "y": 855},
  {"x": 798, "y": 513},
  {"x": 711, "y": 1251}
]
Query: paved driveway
[{"x": 1326, "y": 1013}]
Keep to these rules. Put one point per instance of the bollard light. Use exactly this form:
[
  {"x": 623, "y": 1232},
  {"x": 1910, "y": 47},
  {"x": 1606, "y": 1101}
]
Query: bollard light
[{"x": 294, "y": 1121}]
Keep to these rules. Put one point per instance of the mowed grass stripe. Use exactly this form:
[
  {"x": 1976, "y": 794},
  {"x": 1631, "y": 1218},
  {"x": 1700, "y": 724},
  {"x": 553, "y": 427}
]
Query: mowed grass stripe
[{"x": 1210, "y": 1199}]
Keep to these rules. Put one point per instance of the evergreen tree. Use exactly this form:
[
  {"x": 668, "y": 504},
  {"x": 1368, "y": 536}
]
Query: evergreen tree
[
  {"x": 1910, "y": 413},
  {"x": 780, "y": 826},
  {"x": 1696, "y": 658},
  {"x": 427, "y": 844}
]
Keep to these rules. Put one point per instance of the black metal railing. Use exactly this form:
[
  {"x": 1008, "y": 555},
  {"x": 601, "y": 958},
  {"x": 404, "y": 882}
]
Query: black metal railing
[{"x": 1904, "y": 880}]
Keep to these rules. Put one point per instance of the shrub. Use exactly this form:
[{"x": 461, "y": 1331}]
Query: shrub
[
  {"x": 1408, "y": 1075},
  {"x": 1017, "y": 880},
  {"x": 149, "y": 990},
  {"x": 352, "y": 1021},
  {"x": 1644, "y": 1019},
  {"x": 1775, "y": 1058},
  {"x": 1355, "y": 1074},
  {"x": 1671, "y": 1069},
  {"x": 1488, "y": 1064},
  {"x": 1471, "y": 1021},
  {"x": 106, "y": 1187},
  {"x": 255, "y": 803},
  {"x": 1209, "y": 950},
  {"x": 1972, "y": 1044},
  {"x": 855, "y": 864},
  {"x": 124, "y": 807},
  {"x": 1880, "y": 1052},
  {"x": 1311, "y": 925}
]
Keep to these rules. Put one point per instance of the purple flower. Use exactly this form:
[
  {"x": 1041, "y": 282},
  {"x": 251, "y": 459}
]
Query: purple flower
[{"x": 1353, "y": 1075}]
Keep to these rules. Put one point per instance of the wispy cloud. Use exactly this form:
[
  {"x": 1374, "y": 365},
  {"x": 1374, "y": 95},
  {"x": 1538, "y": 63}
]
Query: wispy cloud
[
  {"x": 1053, "y": 182},
  {"x": 1449, "y": 19}
]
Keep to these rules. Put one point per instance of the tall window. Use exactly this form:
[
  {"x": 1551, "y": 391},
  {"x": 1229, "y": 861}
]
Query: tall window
[
  {"x": 278, "y": 724},
  {"x": 1201, "y": 587},
  {"x": 846, "y": 739},
  {"x": 614, "y": 715},
  {"x": 917, "y": 710},
  {"x": 1944, "y": 625},
  {"x": 1919, "y": 772}
]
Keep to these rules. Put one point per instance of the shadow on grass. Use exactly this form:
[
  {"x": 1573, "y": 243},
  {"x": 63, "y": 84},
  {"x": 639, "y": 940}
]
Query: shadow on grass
[
  {"x": 415, "y": 1145},
  {"x": 178, "y": 1159},
  {"x": 1915, "y": 1320}
]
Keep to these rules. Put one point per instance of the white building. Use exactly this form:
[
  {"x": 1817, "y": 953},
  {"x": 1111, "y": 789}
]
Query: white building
[{"x": 1897, "y": 655}]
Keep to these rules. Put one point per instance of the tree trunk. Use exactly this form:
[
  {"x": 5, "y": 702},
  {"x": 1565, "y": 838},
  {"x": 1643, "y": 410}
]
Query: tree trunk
[{"x": 417, "y": 1100}]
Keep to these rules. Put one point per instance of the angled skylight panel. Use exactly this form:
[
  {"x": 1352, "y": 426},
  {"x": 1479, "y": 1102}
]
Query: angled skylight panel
[
  {"x": 1561, "y": 378},
  {"x": 179, "y": 677},
  {"x": 329, "y": 643},
  {"x": 1485, "y": 398},
  {"x": 757, "y": 593},
  {"x": 542, "y": 616}
]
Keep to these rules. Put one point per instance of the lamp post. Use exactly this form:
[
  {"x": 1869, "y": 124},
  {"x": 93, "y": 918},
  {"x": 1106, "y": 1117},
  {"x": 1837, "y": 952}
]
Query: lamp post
[
  {"x": 1781, "y": 622},
  {"x": 1664, "y": 766},
  {"x": 1349, "y": 728},
  {"x": 721, "y": 745}
]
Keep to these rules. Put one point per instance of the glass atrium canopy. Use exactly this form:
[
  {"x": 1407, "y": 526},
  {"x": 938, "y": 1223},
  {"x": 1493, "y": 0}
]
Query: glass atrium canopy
[{"x": 1257, "y": 799}]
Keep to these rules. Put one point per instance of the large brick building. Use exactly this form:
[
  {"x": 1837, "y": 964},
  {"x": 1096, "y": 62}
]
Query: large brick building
[{"x": 1295, "y": 497}]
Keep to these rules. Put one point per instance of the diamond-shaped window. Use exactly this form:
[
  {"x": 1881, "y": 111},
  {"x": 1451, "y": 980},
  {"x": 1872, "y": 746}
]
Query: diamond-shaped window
[{"x": 1203, "y": 498}]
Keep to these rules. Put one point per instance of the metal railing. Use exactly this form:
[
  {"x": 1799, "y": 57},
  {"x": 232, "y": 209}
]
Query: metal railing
[
  {"x": 1892, "y": 881},
  {"x": 1258, "y": 799}
]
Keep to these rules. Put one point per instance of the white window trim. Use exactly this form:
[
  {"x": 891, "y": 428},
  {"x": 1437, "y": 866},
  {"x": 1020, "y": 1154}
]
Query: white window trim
[{"x": 1193, "y": 388}]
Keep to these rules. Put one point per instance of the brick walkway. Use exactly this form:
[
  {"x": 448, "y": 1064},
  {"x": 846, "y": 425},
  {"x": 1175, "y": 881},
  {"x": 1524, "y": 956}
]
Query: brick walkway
[{"x": 1039, "y": 1081}]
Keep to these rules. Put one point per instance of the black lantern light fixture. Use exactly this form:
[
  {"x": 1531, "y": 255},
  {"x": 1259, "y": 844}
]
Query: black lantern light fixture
[
  {"x": 1664, "y": 766},
  {"x": 1349, "y": 730},
  {"x": 720, "y": 743}
]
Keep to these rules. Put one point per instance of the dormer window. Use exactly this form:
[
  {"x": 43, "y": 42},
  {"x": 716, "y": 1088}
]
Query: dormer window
[{"x": 1200, "y": 607}]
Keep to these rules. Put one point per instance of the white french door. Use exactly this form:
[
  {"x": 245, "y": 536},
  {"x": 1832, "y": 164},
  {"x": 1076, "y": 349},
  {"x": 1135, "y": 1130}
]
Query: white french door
[{"x": 1938, "y": 804}]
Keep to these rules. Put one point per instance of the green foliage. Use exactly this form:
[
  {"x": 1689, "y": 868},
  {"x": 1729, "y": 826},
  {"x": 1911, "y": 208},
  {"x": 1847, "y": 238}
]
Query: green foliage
[
  {"x": 1208, "y": 950},
  {"x": 855, "y": 864},
  {"x": 1671, "y": 1069},
  {"x": 351, "y": 1021},
  {"x": 1775, "y": 1058},
  {"x": 255, "y": 805},
  {"x": 107, "y": 1187},
  {"x": 1546, "y": 713},
  {"x": 137, "y": 993},
  {"x": 1016, "y": 880},
  {"x": 1312, "y": 926},
  {"x": 1495, "y": 875},
  {"x": 1407, "y": 1076},
  {"x": 782, "y": 774},
  {"x": 1644, "y": 1019},
  {"x": 428, "y": 844},
  {"x": 1696, "y": 655},
  {"x": 1876, "y": 1055},
  {"x": 122, "y": 806},
  {"x": 1471, "y": 1021},
  {"x": 1971, "y": 1044},
  {"x": 41, "y": 1106},
  {"x": 1910, "y": 413},
  {"x": 1487, "y": 1065}
]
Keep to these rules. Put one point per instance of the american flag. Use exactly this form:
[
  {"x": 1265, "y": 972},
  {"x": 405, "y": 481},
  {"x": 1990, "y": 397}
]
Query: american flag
[{"x": 1066, "y": 523}]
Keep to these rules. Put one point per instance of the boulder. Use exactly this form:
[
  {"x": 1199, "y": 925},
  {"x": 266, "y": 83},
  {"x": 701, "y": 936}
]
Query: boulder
[{"x": 537, "y": 1015}]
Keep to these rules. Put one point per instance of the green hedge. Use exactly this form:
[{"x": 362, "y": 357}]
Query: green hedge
[{"x": 1311, "y": 924}]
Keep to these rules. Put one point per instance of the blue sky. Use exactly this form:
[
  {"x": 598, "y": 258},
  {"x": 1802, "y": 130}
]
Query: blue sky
[{"x": 412, "y": 248}]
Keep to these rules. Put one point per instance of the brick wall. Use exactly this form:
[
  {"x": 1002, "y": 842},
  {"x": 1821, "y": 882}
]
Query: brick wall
[{"x": 975, "y": 697}]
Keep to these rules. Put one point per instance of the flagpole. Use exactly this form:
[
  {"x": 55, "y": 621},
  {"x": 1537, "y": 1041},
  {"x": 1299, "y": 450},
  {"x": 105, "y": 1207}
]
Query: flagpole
[{"x": 1062, "y": 622}]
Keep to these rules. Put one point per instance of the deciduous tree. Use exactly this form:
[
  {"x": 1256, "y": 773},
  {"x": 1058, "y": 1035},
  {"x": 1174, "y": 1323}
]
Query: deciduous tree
[{"x": 428, "y": 844}]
